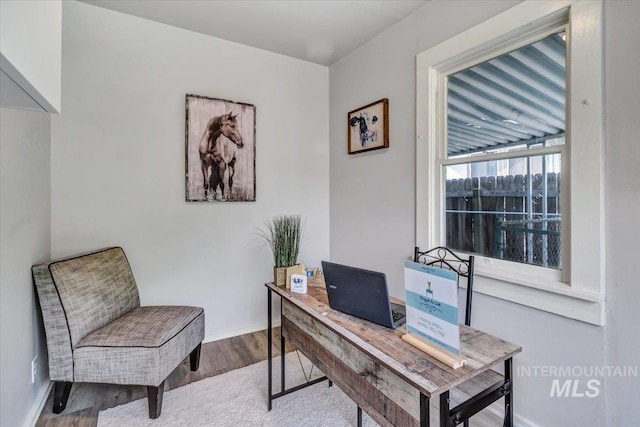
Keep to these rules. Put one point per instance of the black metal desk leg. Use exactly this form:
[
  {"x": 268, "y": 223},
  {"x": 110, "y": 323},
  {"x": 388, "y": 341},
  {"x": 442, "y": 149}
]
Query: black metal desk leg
[
  {"x": 282, "y": 351},
  {"x": 269, "y": 347},
  {"x": 508, "y": 398},
  {"x": 444, "y": 409},
  {"x": 424, "y": 411},
  {"x": 359, "y": 416}
]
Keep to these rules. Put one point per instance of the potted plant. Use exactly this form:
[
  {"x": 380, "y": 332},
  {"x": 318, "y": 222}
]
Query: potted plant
[{"x": 282, "y": 234}]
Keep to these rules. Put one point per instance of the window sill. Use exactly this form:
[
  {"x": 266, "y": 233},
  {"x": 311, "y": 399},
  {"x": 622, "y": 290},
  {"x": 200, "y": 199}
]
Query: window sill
[{"x": 556, "y": 297}]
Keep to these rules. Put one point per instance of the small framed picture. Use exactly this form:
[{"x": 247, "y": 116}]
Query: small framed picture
[
  {"x": 368, "y": 127},
  {"x": 299, "y": 283}
]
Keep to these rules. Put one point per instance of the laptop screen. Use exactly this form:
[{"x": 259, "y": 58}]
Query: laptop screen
[{"x": 358, "y": 292}]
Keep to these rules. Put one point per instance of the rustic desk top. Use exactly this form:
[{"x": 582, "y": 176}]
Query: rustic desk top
[{"x": 430, "y": 376}]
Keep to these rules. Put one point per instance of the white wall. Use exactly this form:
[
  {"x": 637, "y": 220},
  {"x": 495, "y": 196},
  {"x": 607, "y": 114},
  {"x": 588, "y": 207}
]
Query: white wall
[
  {"x": 373, "y": 194},
  {"x": 30, "y": 44},
  {"x": 372, "y": 205},
  {"x": 622, "y": 175},
  {"x": 118, "y": 160},
  {"x": 118, "y": 168},
  {"x": 25, "y": 227}
]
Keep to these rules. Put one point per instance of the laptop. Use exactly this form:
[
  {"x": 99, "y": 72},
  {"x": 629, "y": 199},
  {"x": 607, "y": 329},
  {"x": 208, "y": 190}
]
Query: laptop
[{"x": 362, "y": 293}]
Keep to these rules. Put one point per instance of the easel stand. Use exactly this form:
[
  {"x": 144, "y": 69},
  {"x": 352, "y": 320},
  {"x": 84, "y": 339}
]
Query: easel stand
[{"x": 434, "y": 351}]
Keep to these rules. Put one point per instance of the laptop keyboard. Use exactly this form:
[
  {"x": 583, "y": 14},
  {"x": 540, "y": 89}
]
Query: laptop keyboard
[{"x": 397, "y": 315}]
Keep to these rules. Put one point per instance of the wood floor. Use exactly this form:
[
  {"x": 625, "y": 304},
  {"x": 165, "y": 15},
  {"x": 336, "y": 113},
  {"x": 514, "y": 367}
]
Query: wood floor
[
  {"x": 218, "y": 357},
  {"x": 87, "y": 400}
]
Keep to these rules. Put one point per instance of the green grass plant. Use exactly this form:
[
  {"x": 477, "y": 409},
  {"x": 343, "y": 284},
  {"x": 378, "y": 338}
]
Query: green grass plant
[{"x": 283, "y": 234}]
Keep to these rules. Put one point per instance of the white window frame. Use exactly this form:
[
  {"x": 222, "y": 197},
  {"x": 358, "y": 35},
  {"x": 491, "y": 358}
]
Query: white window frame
[{"x": 577, "y": 291}]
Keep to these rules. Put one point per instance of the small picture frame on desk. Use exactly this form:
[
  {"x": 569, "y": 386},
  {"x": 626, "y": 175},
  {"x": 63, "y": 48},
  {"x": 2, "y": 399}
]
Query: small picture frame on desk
[
  {"x": 299, "y": 283},
  {"x": 368, "y": 127}
]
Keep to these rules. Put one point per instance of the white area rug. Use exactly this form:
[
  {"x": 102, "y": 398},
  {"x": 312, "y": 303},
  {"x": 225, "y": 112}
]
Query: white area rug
[{"x": 239, "y": 398}]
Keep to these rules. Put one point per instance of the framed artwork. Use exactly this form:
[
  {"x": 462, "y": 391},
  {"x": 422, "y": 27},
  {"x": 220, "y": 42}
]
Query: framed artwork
[
  {"x": 368, "y": 127},
  {"x": 220, "y": 159}
]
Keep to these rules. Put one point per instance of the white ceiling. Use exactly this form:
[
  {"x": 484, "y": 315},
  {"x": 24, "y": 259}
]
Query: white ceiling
[{"x": 313, "y": 30}]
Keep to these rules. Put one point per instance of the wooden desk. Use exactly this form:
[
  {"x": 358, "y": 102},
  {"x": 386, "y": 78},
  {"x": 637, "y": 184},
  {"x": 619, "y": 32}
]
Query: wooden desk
[{"x": 389, "y": 379}]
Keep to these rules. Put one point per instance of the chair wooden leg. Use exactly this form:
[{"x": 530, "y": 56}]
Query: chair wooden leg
[
  {"x": 194, "y": 358},
  {"x": 61, "y": 392},
  {"x": 154, "y": 395}
]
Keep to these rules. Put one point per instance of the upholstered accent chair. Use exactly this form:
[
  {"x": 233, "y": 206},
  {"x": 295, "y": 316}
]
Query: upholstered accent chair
[{"x": 97, "y": 332}]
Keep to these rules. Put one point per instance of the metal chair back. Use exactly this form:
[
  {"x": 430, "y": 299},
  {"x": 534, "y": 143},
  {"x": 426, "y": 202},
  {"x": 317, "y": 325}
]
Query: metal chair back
[{"x": 445, "y": 258}]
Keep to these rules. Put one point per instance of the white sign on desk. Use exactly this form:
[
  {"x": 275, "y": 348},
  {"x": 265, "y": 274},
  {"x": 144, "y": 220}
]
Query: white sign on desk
[
  {"x": 299, "y": 283},
  {"x": 432, "y": 305}
]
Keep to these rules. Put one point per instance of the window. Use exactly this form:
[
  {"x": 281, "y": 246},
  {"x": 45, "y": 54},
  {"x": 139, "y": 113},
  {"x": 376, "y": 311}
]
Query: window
[
  {"x": 501, "y": 172},
  {"x": 504, "y": 147}
]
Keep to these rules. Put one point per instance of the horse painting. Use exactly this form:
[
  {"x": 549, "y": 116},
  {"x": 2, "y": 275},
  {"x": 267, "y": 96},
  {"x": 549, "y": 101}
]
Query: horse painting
[
  {"x": 220, "y": 150},
  {"x": 217, "y": 152},
  {"x": 224, "y": 161}
]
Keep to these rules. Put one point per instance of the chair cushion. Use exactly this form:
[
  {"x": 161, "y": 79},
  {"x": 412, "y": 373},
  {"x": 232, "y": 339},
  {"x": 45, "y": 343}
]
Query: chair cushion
[
  {"x": 150, "y": 326},
  {"x": 141, "y": 347},
  {"x": 94, "y": 289}
]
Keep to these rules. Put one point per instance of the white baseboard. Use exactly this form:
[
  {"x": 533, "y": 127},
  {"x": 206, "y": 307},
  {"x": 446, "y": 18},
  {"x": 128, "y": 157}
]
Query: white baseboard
[
  {"x": 497, "y": 408},
  {"x": 240, "y": 331},
  {"x": 38, "y": 405}
]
